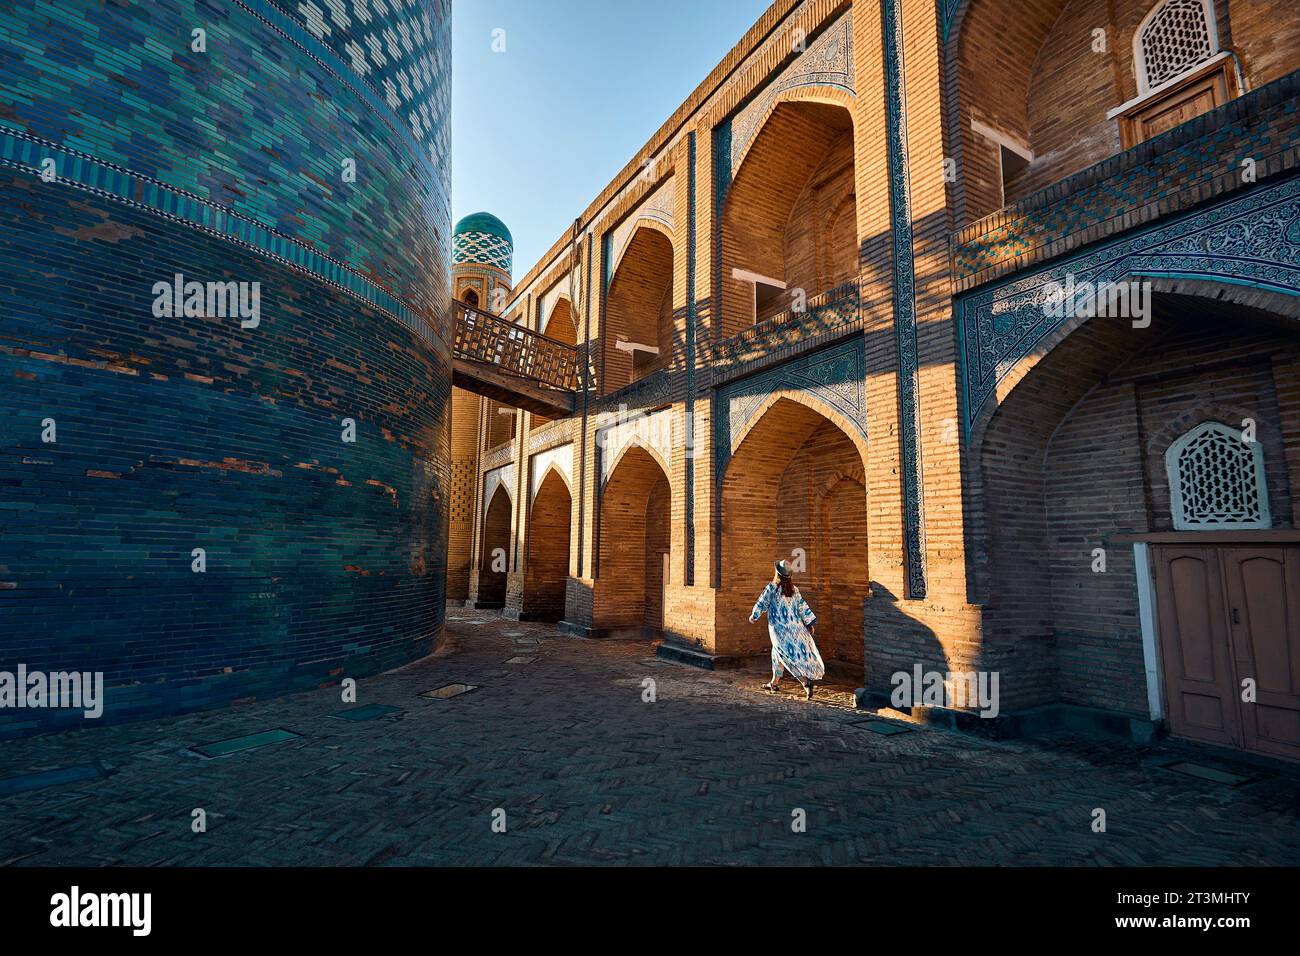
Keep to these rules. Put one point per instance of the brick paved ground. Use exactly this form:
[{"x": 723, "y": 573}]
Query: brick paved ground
[{"x": 588, "y": 773}]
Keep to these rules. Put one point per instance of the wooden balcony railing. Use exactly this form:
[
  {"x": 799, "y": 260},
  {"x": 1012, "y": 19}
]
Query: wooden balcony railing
[{"x": 492, "y": 340}]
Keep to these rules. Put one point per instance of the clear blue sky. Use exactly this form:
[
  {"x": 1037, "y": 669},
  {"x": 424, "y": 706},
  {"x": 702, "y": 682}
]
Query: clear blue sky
[{"x": 538, "y": 130}]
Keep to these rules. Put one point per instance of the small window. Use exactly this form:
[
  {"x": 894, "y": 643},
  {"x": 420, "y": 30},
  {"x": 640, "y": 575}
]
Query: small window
[
  {"x": 769, "y": 299},
  {"x": 471, "y": 298},
  {"x": 1013, "y": 164},
  {"x": 1216, "y": 480},
  {"x": 1175, "y": 36}
]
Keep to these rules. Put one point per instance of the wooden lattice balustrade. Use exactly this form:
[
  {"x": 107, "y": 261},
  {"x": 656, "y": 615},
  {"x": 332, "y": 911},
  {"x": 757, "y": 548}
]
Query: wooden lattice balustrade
[{"x": 512, "y": 364}]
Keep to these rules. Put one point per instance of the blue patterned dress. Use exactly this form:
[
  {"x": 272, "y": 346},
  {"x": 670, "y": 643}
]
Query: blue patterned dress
[{"x": 788, "y": 619}]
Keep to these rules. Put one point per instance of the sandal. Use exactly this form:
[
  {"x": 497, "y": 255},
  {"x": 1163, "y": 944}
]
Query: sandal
[
  {"x": 770, "y": 687},
  {"x": 808, "y": 689}
]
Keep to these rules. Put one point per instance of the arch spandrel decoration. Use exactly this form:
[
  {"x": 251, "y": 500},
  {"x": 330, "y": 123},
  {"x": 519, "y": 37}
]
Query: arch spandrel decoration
[
  {"x": 550, "y": 302},
  {"x": 504, "y": 477},
  {"x": 658, "y": 207},
  {"x": 560, "y": 458},
  {"x": 835, "y": 377},
  {"x": 655, "y": 432},
  {"x": 827, "y": 62},
  {"x": 1253, "y": 240}
]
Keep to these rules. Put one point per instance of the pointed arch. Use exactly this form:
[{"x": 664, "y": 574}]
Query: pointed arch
[
  {"x": 795, "y": 489},
  {"x": 634, "y": 541},
  {"x": 788, "y": 191},
  {"x": 546, "y": 563},
  {"x": 639, "y": 307},
  {"x": 494, "y": 551}
]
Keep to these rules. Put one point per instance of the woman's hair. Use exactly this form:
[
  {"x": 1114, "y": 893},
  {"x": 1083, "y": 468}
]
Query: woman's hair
[{"x": 787, "y": 584}]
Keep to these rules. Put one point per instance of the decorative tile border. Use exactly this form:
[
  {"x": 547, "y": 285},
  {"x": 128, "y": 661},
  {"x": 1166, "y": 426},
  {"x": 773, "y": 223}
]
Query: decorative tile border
[
  {"x": 1178, "y": 170},
  {"x": 25, "y": 152},
  {"x": 691, "y": 331},
  {"x": 834, "y": 313},
  {"x": 947, "y": 13},
  {"x": 909, "y": 386},
  {"x": 836, "y": 376}
]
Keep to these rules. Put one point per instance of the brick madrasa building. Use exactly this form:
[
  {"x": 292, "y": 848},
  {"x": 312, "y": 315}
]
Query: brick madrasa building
[{"x": 982, "y": 313}]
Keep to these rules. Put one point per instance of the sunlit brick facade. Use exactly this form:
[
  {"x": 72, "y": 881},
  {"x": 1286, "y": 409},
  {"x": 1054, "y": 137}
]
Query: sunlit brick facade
[{"x": 816, "y": 315}]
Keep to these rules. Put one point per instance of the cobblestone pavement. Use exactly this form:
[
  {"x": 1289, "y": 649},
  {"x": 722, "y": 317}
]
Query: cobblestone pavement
[{"x": 586, "y": 772}]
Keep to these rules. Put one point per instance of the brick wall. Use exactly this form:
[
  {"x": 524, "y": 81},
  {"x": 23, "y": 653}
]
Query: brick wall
[
  {"x": 1036, "y": 79},
  {"x": 790, "y": 214},
  {"x": 796, "y": 481},
  {"x": 464, "y": 482},
  {"x": 639, "y": 309},
  {"x": 821, "y": 508},
  {"x": 812, "y": 203},
  {"x": 324, "y": 558}
]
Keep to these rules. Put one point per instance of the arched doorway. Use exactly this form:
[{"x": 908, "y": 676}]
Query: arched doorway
[
  {"x": 494, "y": 557},
  {"x": 635, "y": 511},
  {"x": 639, "y": 309},
  {"x": 547, "y": 571},
  {"x": 1086, "y": 471},
  {"x": 470, "y": 298},
  {"x": 789, "y": 224},
  {"x": 795, "y": 490}
]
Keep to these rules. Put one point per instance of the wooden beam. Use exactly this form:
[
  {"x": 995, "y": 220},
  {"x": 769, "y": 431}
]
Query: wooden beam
[{"x": 483, "y": 379}]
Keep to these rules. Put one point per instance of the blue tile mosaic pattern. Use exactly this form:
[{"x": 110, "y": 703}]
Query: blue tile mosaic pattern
[
  {"x": 483, "y": 239},
  {"x": 324, "y": 558},
  {"x": 900, "y": 217},
  {"x": 259, "y": 125}
]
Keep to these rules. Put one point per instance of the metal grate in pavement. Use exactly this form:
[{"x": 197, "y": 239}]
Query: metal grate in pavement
[
  {"x": 49, "y": 778},
  {"x": 231, "y": 745},
  {"x": 448, "y": 691},
  {"x": 882, "y": 727},
  {"x": 1212, "y": 774},
  {"x": 368, "y": 712}
]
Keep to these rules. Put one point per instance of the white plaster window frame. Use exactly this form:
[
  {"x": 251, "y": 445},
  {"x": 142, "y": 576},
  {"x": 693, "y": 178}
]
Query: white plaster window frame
[
  {"x": 1001, "y": 139},
  {"x": 754, "y": 278},
  {"x": 1176, "y": 504}
]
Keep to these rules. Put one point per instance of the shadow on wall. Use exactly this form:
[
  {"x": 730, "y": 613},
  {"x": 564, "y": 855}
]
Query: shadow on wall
[{"x": 895, "y": 642}]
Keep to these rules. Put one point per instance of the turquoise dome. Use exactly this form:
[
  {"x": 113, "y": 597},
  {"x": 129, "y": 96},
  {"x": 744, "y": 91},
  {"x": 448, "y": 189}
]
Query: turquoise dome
[{"x": 482, "y": 239}]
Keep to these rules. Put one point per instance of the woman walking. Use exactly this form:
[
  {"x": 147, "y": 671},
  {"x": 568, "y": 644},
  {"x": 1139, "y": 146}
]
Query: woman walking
[{"x": 790, "y": 625}]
